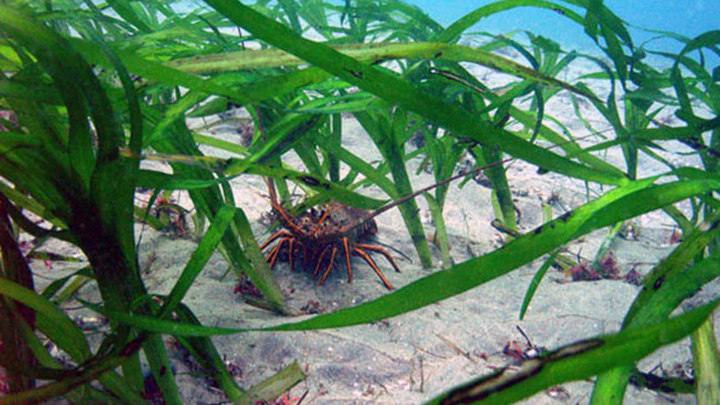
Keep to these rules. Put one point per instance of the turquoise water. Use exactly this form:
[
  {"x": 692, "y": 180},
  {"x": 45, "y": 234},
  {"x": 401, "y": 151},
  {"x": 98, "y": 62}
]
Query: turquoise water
[{"x": 688, "y": 18}]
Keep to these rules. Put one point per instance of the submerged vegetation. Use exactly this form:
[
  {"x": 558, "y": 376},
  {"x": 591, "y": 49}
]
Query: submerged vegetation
[{"x": 90, "y": 90}]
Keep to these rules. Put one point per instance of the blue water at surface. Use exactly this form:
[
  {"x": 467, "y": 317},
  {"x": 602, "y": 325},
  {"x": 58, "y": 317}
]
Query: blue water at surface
[
  {"x": 685, "y": 17},
  {"x": 688, "y": 18}
]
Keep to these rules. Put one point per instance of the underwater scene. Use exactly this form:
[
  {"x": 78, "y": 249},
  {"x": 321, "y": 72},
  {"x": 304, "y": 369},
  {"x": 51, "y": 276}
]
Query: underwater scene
[{"x": 363, "y": 201}]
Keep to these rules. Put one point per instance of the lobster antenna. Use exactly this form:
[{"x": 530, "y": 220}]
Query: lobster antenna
[{"x": 372, "y": 214}]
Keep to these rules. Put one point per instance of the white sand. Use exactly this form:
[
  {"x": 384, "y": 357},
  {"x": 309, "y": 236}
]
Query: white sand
[{"x": 380, "y": 363}]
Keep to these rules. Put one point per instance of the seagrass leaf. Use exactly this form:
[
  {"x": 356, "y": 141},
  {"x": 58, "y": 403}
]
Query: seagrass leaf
[
  {"x": 665, "y": 287},
  {"x": 63, "y": 332},
  {"x": 50, "y": 319},
  {"x": 535, "y": 283},
  {"x": 199, "y": 258},
  {"x": 259, "y": 273},
  {"x": 397, "y": 91},
  {"x": 154, "y": 71},
  {"x": 454, "y": 31},
  {"x": 85, "y": 376},
  {"x": 622, "y": 203},
  {"x": 234, "y": 167},
  {"x": 370, "y": 53},
  {"x": 575, "y": 362},
  {"x": 71, "y": 76},
  {"x": 205, "y": 353},
  {"x": 275, "y": 385},
  {"x": 164, "y": 181}
]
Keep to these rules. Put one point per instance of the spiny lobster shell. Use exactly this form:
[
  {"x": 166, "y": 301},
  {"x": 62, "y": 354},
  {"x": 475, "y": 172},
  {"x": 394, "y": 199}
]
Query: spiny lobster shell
[{"x": 341, "y": 216}]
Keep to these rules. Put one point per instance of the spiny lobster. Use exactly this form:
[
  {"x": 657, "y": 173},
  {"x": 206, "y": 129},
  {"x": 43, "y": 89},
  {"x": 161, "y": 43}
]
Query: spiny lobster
[
  {"x": 317, "y": 233},
  {"x": 335, "y": 228}
]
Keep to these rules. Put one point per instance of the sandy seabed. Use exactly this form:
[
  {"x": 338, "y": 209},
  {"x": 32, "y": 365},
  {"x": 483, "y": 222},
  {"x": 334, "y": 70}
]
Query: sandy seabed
[{"x": 411, "y": 358}]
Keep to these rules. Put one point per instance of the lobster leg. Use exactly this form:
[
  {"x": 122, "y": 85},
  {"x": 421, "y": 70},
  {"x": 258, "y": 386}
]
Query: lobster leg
[
  {"x": 382, "y": 252},
  {"x": 329, "y": 267},
  {"x": 275, "y": 236},
  {"x": 276, "y": 252},
  {"x": 290, "y": 254},
  {"x": 319, "y": 261},
  {"x": 374, "y": 266},
  {"x": 347, "y": 259},
  {"x": 271, "y": 255},
  {"x": 289, "y": 223}
]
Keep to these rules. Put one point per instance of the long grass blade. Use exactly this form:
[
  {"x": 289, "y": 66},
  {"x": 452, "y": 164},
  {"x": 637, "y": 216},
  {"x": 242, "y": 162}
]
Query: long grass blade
[
  {"x": 576, "y": 361},
  {"x": 617, "y": 205},
  {"x": 397, "y": 91}
]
